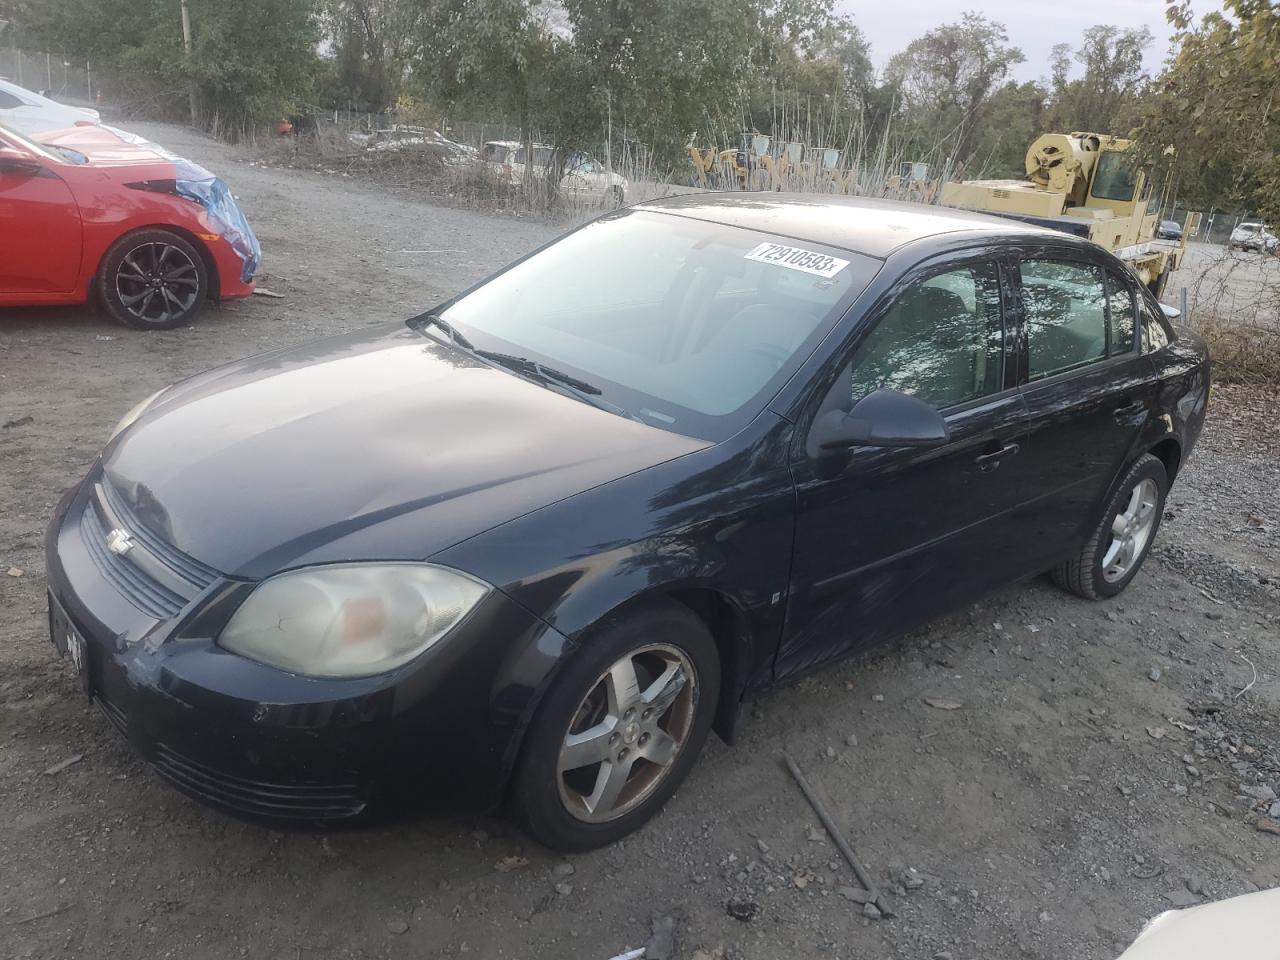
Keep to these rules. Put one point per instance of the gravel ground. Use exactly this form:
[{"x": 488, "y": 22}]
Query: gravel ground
[{"x": 1106, "y": 760}]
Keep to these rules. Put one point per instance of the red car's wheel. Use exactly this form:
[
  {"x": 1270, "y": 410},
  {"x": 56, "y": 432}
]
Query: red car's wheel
[{"x": 153, "y": 280}]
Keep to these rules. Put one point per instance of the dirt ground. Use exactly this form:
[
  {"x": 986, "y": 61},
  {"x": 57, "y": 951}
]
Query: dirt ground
[{"x": 1107, "y": 760}]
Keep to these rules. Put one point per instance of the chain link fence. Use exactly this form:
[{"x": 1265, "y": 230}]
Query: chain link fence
[{"x": 51, "y": 74}]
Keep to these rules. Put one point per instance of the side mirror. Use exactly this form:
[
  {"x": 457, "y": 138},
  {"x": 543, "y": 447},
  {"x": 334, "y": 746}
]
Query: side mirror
[{"x": 885, "y": 418}]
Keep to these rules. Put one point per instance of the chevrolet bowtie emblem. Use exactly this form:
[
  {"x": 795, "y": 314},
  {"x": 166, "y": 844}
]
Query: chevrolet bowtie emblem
[{"x": 119, "y": 542}]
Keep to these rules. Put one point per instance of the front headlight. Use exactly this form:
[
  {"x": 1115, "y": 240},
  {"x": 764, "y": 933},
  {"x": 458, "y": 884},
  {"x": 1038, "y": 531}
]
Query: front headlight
[
  {"x": 134, "y": 413},
  {"x": 350, "y": 620}
]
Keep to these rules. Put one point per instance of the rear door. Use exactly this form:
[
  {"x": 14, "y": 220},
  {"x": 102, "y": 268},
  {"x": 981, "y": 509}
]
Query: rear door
[
  {"x": 888, "y": 537},
  {"x": 1088, "y": 389},
  {"x": 40, "y": 229}
]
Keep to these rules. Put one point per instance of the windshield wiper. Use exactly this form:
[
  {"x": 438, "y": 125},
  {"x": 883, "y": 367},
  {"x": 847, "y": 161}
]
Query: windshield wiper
[
  {"x": 524, "y": 364},
  {"x": 555, "y": 379},
  {"x": 424, "y": 320}
]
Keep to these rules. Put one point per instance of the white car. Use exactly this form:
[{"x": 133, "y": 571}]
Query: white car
[
  {"x": 584, "y": 176},
  {"x": 30, "y": 113},
  {"x": 1242, "y": 928},
  {"x": 1253, "y": 236}
]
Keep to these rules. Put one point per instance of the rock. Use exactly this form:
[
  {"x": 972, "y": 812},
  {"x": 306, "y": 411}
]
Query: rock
[
  {"x": 1264, "y": 825},
  {"x": 1260, "y": 792},
  {"x": 762, "y": 846},
  {"x": 1274, "y": 811},
  {"x": 562, "y": 870},
  {"x": 1196, "y": 886},
  {"x": 854, "y": 894},
  {"x": 398, "y": 927},
  {"x": 800, "y": 882},
  {"x": 662, "y": 944},
  {"x": 943, "y": 955},
  {"x": 564, "y": 889},
  {"x": 815, "y": 835},
  {"x": 912, "y": 881},
  {"x": 1156, "y": 733},
  {"x": 1179, "y": 790},
  {"x": 16, "y": 571},
  {"x": 878, "y": 697},
  {"x": 831, "y": 753},
  {"x": 63, "y": 764},
  {"x": 1182, "y": 898},
  {"x": 1154, "y": 674},
  {"x": 871, "y": 911},
  {"x": 943, "y": 704},
  {"x": 851, "y": 741},
  {"x": 507, "y": 864},
  {"x": 740, "y": 908},
  {"x": 1113, "y": 616},
  {"x": 1213, "y": 615}
]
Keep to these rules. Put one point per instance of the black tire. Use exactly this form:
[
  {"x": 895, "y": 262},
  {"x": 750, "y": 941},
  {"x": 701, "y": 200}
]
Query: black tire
[
  {"x": 617, "y": 197},
  {"x": 536, "y": 797},
  {"x": 1083, "y": 574},
  {"x": 160, "y": 267}
]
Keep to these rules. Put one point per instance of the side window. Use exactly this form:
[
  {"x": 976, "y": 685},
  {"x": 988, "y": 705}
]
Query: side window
[
  {"x": 1120, "y": 311},
  {"x": 1155, "y": 333},
  {"x": 8, "y": 101},
  {"x": 1066, "y": 315},
  {"x": 941, "y": 341}
]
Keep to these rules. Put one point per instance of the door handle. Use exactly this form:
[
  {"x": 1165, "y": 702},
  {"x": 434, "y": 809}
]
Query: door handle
[
  {"x": 989, "y": 461},
  {"x": 1129, "y": 409}
]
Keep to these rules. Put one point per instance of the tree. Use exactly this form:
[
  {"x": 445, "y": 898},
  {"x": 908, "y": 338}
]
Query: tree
[
  {"x": 947, "y": 78},
  {"x": 1104, "y": 99},
  {"x": 252, "y": 60},
  {"x": 1217, "y": 104}
]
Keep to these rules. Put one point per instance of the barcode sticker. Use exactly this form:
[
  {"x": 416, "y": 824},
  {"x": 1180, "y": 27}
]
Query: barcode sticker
[{"x": 797, "y": 258}]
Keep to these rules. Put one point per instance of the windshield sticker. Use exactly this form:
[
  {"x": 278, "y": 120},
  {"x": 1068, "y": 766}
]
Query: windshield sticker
[{"x": 795, "y": 258}]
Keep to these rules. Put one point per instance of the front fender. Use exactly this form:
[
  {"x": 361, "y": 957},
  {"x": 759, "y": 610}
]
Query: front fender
[{"x": 713, "y": 529}]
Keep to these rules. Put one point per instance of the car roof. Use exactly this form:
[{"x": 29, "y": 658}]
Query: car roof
[{"x": 868, "y": 226}]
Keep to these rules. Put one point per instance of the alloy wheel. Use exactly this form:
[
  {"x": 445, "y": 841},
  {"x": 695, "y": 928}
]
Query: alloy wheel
[
  {"x": 157, "y": 282},
  {"x": 627, "y": 733},
  {"x": 1131, "y": 531}
]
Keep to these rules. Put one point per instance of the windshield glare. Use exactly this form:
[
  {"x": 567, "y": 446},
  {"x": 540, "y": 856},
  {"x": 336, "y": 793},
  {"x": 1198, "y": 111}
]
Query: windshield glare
[{"x": 685, "y": 324}]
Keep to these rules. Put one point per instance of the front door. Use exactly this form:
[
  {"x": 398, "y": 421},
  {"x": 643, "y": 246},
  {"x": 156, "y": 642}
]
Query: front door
[
  {"x": 1089, "y": 390},
  {"x": 887, "y": 538},
  {"x": 40, "y": 232}
]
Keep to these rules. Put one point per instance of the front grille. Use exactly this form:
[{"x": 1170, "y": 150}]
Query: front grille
[
  {"x": 330, "y": 801},
  {"x": 187, "y": 568},
  {"x": 144, "y": 592}
]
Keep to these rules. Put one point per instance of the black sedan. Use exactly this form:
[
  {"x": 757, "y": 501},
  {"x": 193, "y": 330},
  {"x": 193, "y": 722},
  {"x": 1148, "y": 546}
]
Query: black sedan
[
  {"x": 531, "y": 547},
  {"x": 1169, "y": 230}
]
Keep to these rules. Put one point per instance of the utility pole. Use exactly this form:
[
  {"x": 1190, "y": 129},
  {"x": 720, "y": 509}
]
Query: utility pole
[{"x": 186, "y": 49}]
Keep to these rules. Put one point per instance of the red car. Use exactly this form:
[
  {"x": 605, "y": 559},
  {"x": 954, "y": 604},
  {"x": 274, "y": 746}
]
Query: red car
[{"x": 93, "y": 212}]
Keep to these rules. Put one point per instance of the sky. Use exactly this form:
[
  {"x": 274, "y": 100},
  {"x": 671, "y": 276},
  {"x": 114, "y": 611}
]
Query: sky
[{"x": 1034, "y": 27}]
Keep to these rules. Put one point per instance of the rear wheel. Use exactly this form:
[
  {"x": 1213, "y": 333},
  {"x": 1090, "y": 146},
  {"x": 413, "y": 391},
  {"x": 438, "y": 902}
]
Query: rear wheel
[
  {"x": 153, "y": 280},
  {"x": 619, "y": 729},
  {"x": 1112, "y": 556}
]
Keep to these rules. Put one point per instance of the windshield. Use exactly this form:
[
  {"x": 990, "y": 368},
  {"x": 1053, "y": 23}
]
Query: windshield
[
  {"x": 684, "y": 324},
  {"x": 26, "y": 144},
  {"x": 1115, "y": 177}
]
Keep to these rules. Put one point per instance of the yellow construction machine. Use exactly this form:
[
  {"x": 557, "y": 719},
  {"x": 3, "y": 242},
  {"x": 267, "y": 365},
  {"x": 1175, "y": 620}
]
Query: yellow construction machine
[{"x": 1082, "y": 183}]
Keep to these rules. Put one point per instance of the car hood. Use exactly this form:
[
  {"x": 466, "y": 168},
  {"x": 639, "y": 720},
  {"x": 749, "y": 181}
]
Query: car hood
[
  {"x": 107, "y": 146},
  {"x": 383, "y": 444}
]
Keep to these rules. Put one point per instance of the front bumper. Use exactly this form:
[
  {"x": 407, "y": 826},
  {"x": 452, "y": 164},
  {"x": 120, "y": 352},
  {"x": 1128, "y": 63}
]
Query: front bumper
[{"x": 438, "y": 734}]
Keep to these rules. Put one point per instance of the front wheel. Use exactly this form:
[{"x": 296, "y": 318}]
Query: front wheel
[
  {"x": 1112, "y": 556},
  {"x": 619, "y": 729},
  {"x": 153, "y": 280}
]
